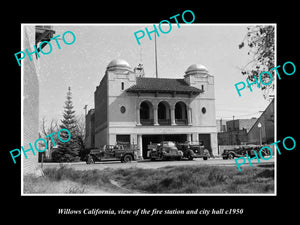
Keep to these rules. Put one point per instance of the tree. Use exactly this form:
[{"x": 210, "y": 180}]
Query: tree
[
  {"x": 261, "y": 43},
  {"x": 67, "y": 151},
  {"x": 80, "y": 136},
  {"x": 45, "y": 130}
]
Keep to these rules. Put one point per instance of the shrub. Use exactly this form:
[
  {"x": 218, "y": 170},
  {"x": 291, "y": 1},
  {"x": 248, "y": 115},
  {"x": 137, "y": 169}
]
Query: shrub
[
  {"x": 95, "y": 177},
  {"x": 216, "y": 176},
  {"x": 266, "y": 173}
]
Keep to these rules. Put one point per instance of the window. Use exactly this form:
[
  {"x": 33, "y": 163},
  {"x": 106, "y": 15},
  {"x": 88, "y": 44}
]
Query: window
[
  {"x": 123, "y": 139},
  {"x": 181, "y": 113},
  {"x": 164, "y": 112},
  {"x": 203, "y": 110},
  {"x": 122, "y": 86},
  {"x": 123, "y": 109},
  {"x": 145, "y": 110},
  {"x": 202, "y": 87}
]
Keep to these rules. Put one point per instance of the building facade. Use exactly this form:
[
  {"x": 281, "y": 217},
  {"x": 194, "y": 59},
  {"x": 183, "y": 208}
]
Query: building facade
[
  {"x": 32, "y": 35},
  {"x": 139, "y": 110},
  {"x": 234, "y": 137},
  {"x": 90, "y": 128}
]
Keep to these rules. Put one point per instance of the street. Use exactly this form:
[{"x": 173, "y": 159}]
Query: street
[{"x": 147, "y": 164}]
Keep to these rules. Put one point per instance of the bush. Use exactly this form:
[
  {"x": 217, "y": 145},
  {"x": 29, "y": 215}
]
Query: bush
[
  {"x": 58, "y": 155},
  {"x": 266, "y": 173}
]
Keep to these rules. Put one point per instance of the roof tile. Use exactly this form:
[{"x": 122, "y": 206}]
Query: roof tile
[{"x": 148, "y": 84}]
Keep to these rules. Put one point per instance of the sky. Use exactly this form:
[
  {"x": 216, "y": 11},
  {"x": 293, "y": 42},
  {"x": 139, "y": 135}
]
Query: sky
[{"x": 82, "y": 64}]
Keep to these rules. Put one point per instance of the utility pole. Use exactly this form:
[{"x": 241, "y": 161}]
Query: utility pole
[{"x": 233, "y": 129}]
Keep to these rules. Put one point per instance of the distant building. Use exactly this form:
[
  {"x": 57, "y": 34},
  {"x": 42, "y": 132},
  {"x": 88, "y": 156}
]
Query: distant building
[
  {"x": 90, "y": 129},
  {"x": 221, "y": 125},
  {"x": 240, "y": 124},
  {"x": 246, "y": 131},
  {"x": 266, "y": 132},
  {"x": 235, "y": 132},
  {"x": 132, "y": 108}
]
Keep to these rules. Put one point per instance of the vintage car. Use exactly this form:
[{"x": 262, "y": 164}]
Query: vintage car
[
  {"x": 117, "y": 152},
  {"x": 242, "y": 150},
  {"x": 164, "y": 151},
  {"x": 191, "y": 151}
]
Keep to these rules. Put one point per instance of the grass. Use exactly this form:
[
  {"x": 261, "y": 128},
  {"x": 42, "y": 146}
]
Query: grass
[
  {"x": 197, "y": 179},
  {"x": 40, "y": 185},
  {"x": 170, "y": 179}
]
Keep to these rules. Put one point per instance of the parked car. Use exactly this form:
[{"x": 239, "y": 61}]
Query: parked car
[
  {"x": 164, "y": 151},
  {"x": 241, "y": 151},
  {"x": 191, "y": 151},
  {"x": 121, "y": 153}
]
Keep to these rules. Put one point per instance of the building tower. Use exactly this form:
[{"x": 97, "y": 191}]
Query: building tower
[{"x": 139, "y": 70}]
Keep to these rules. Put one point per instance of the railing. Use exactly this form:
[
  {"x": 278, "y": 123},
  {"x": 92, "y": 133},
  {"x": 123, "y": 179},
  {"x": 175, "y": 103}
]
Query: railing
[
  {"x": 147, "y": 122},
  {"x": 181, "y": 121},
  {"x": 164, "y": 121}
]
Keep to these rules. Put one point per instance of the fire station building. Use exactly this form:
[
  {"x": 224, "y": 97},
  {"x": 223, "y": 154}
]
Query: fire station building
[{"x": 132, "y": 108}]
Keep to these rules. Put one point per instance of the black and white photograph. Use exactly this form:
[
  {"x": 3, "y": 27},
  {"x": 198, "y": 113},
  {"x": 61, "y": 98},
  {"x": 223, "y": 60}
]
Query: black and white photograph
[{"x": 158, "y": 115}]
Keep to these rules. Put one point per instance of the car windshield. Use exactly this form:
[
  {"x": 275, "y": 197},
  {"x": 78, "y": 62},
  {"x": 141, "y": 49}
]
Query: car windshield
[{"x": 169, "y": 143}]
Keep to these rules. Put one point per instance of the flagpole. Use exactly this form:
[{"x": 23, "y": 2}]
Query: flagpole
[{"x": 155, "y": 56}]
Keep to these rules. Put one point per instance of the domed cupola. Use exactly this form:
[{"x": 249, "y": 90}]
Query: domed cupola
[
  {"x": 118, "y": 64},
  {"x": 196, "y": 69}
]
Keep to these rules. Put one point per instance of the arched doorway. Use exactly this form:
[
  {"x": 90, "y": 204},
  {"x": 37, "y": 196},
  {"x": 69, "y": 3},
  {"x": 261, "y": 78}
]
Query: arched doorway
[
  {"x": 181, "y": 113},
  {"x": 146, "y": 113},
  {"x": 164, "y": 113}
]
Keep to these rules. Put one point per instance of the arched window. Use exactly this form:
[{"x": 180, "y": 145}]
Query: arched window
[
  {"x": 181, "y": 113},
  {"x": 164, "y": 113},
  {"x": 146, "y": 113}
]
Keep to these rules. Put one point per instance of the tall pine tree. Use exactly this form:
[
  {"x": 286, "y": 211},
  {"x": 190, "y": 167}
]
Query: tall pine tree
[{"x": 67, "y": 151}]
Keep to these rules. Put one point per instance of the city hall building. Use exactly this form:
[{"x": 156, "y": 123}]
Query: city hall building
[{"x": 132, "y": 108}]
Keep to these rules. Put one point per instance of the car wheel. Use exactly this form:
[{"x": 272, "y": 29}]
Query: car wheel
[
  {"x": 127, "y": 158},
  {"x": 263, "y": 153},
  {"x": 230, "y": 156},
  {"x": 90, "y": 160},
  {"x": 225, "y": 157},
  {"x": 205, "y": 158}
]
